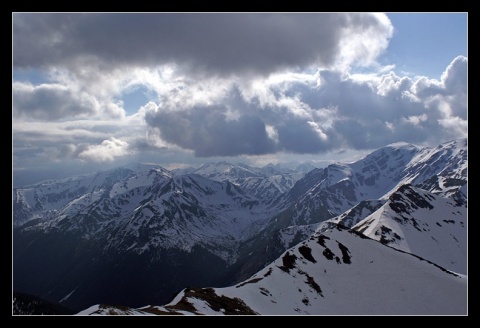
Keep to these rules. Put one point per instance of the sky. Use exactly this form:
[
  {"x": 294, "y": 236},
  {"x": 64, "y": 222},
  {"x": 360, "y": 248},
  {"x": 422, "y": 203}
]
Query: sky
[{"x": 94, "y": 91}]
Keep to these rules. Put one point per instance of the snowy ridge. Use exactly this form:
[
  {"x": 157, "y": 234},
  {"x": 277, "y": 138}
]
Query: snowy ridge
[
  {"x": 338, "y": 272},
  {"x": 419, "y": 222},
  {"x": 325, "y": 193}
]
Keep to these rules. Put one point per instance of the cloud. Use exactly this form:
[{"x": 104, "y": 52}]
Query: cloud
[
  {"x": 417, "y": 110},
  {"x": 221, "y": 85},
  {"x": 454, "y": 76},
  {"x": 219, "y": 44},
  {"x": 286, "y": 113},
  {"x": 107, "y": 151},
  {"x": 455, "y": 81},
  {"x": 56, "y": 101},
  {"x": 302, "y": 136},
  {"x": 238, "y": 121},
  {"x": 49, "y": 102},
  {"x": 297, "y": 116},
  {"x": 208, "y": 131},
  {"x": 78, "y": 142}
]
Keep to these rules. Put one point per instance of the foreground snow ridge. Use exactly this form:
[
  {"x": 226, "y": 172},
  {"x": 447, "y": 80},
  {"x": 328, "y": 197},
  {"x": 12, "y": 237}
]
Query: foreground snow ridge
[{"x": 337, "y": 272}]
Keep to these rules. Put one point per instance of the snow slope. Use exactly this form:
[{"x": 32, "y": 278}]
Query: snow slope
[
  {"x": 419, "y": 222},
  {"x": 337, "y": 272}
]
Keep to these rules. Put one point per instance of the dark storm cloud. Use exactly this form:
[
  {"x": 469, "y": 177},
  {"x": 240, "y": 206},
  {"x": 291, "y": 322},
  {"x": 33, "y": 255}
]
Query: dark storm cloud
[
  {"x": 298, "y": 136},
  {"x": 235, "y": 126},
  {"x": 215, "y": 43},
  {"x": 49, "y": 102},
  {"x": 208, "y": 132}
]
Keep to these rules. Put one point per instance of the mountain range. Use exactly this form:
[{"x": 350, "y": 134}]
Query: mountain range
[{"x": 141, "y": 234}]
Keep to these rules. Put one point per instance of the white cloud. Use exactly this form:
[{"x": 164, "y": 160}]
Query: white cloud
[
  {"x": 453, "y": 77},
  {"x": 455, "y": 127},
  {"x": 415, "y": 120},
  {"x": 393, "y": 84},
  {"x": 107, "y": 151},
  {"x": 317, "y": 129},
  {"x": 362, "y": 43},
  {"x": 272, "y": 133}
]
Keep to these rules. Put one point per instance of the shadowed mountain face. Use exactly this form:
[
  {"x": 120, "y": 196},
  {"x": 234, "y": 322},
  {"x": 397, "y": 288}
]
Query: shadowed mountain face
[
  {"x": 24, "y": 304},
  {"x": 138, "y": 234},
  {"x": 135, "y": 235}
]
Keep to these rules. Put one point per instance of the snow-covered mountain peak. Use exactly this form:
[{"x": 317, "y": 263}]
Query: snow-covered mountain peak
[{"x": 393, "y": 155}]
